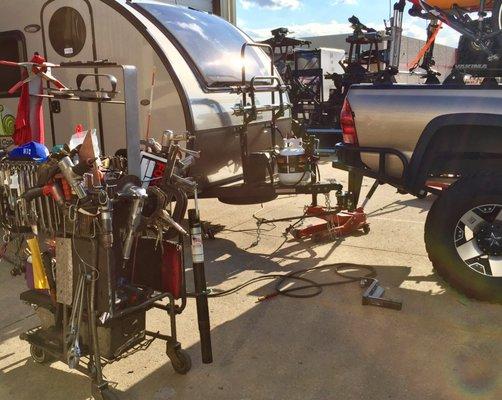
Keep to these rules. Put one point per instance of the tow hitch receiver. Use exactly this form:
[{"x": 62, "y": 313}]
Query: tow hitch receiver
[{"x": 373, "y": 295}]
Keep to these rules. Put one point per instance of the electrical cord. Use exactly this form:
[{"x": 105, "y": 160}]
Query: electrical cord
[{"x": 312, "y": 287}]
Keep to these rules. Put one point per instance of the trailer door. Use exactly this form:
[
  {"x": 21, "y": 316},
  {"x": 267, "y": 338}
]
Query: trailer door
[{"x": 68, "y": 29}]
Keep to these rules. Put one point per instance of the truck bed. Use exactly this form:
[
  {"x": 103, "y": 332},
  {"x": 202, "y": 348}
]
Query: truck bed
[{"x": 395, "y": 116}]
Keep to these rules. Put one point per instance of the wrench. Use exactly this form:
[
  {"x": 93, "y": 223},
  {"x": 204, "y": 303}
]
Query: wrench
[{"x": 73, "y": 341}]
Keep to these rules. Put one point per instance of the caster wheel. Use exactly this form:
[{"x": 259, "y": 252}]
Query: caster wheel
[
  {"x": 91, "y": 370},
  {"x": 39, "y": 355},
  {"x": 366, "y": 229},
  {"x": 181, "y": 361},
  {"x": 295, "y": 233},
  {"x": 318, "y": 238},
  {"x": 106, "y": 394},
  {"x": 210, "y": 234}
]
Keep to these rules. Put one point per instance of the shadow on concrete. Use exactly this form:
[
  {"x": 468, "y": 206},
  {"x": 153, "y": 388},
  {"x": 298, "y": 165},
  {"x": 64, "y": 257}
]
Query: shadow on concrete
[
  {"x": 24, "y": 377},
  {"x": 332, "y": 347},
  {"x": 327, "y": 347},
  {"x": 423, "y": 205}
]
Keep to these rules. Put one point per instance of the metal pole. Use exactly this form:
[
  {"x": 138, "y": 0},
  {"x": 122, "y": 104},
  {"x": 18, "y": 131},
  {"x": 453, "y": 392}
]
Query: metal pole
[
  {"x": 396, "y": 35},
  {"x": 200, "y": 284}
]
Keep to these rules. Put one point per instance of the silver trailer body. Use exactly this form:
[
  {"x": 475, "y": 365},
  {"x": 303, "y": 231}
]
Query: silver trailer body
[{"x": 195, "y": 56}]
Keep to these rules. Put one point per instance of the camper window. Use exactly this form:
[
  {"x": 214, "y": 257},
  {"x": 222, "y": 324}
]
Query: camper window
[
  {"x": 12, "y": 48},
  {"x": 210, "y": 44},
  {"x": 67, "y": 32}
]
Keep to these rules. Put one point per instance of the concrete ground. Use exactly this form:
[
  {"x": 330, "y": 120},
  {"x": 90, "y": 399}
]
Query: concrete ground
[{"x": 440, "y": 346}]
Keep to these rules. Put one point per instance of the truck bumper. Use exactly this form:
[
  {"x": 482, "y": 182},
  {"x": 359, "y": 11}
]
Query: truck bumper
[{"x": 348, "y": 158}]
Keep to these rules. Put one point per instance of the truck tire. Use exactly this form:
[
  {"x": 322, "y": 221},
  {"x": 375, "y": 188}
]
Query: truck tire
[{"x": 463, "y": 237}]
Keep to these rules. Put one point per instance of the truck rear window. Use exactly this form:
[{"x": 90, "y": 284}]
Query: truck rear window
[{"x": 212, "y": 44}]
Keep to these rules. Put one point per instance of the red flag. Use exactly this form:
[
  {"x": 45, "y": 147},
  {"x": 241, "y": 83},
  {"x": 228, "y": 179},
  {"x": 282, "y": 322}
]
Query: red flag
[{"x": 30, "y": 118}]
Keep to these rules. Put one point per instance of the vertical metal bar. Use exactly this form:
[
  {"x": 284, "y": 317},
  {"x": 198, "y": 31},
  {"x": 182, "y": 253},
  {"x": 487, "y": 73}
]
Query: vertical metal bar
[
  {"x": 49, "y": 216},
  {"x": 200, "y": 286},
  {"x": 132, "y": 120}
]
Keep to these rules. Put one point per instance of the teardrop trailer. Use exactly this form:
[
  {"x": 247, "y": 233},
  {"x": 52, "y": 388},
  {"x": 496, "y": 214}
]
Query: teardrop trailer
[
  {"x": 205, "y": 84},
  {"x": 192, "y": 72}
]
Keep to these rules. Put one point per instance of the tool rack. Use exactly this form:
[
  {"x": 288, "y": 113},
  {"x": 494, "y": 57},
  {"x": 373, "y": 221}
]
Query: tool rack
[{"x": 102, "y": 319}]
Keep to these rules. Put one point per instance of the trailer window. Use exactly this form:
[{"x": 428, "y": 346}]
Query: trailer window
[
  {"x": 67, "y": 32},
  {"x": 210, "y": 43},
  {"x": 12, "y": 48}
]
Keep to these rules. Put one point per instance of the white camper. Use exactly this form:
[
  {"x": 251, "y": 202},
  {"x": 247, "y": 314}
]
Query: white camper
[{"x": 196, "y": 57}]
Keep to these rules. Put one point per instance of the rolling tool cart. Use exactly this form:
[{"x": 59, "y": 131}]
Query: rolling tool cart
[{"x": 105, "y": 240}]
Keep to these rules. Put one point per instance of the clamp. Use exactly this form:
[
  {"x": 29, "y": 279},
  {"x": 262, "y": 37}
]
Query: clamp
[{"x": 36, "y": 68}]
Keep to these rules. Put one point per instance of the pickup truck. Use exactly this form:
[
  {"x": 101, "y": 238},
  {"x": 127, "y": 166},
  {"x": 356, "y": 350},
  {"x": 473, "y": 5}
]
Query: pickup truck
[{"x": 441, "y": 139}]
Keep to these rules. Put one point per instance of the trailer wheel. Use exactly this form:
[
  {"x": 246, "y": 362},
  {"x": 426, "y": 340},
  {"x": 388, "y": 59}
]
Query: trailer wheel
[
  {"x": 463, "y": 237},
  {"x": 39, "y": 355},
  {"x": 180, "y": 360}
]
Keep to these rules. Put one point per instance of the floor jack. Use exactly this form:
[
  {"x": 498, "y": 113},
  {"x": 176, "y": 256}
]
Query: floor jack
[{"x": 342, "y": 220}]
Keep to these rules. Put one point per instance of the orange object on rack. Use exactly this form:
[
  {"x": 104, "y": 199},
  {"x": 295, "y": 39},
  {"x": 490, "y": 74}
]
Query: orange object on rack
[
  {"x": 472, "y": 5},
  {"x": 426, "y": 47}
]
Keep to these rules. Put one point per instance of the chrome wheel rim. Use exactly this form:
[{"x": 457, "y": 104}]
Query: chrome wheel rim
[{"x": 478, "y": 239}]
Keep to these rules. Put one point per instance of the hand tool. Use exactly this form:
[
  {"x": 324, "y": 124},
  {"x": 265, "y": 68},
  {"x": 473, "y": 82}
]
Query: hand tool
[
  {"x": 165, "y": 217},
  {"x": 137, "y": 195},
  {"x": 73, "y": 340},
  {"x": 106, "y": 210},
  {"x": 75, "y": 180}
]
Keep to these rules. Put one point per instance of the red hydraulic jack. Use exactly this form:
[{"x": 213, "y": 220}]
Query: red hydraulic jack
[
  {"x": 340, "y": 220},
  {"x": 338, "y": 223}
]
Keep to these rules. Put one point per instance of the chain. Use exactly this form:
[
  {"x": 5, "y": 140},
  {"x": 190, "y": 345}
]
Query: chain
[
  {"x": 258, "y": 234},
  {"x": 331, "y": 227}
]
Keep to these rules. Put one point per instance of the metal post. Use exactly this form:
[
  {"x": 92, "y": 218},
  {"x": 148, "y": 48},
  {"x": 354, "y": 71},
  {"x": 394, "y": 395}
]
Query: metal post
[
  {"x": 396, "y": 35},
  {"x": 200, "y": 285},
  {"x": 132, "y": 120}
]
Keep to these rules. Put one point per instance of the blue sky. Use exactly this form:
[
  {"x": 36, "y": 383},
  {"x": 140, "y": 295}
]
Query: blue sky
[{"x": 323, "y": 17}]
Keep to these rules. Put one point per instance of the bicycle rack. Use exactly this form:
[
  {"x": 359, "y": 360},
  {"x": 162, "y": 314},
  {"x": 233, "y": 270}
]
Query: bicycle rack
[{"x": 250, "y": 111}]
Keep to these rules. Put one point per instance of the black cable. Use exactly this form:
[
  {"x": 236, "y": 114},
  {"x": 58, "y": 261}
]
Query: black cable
[{"x": 283, "y": 279}]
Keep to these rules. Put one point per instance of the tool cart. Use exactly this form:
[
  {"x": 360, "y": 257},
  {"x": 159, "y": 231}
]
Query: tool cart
[{"x": 105, "y": 237}]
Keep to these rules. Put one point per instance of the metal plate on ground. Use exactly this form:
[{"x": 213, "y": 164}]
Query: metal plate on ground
[{"x": 64, "y": 271}]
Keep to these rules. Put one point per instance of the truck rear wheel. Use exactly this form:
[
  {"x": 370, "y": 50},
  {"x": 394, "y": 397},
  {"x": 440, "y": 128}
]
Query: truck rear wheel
[{"x": 463, "y": 237}]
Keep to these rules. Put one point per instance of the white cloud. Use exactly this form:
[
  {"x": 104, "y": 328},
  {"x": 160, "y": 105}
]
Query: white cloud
[
  {"x": 416, "y": 28},
  {"x": 305, "y": 30},
  {"x": 412, "y": 27},
  {"x": 271, "y": 4}
]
